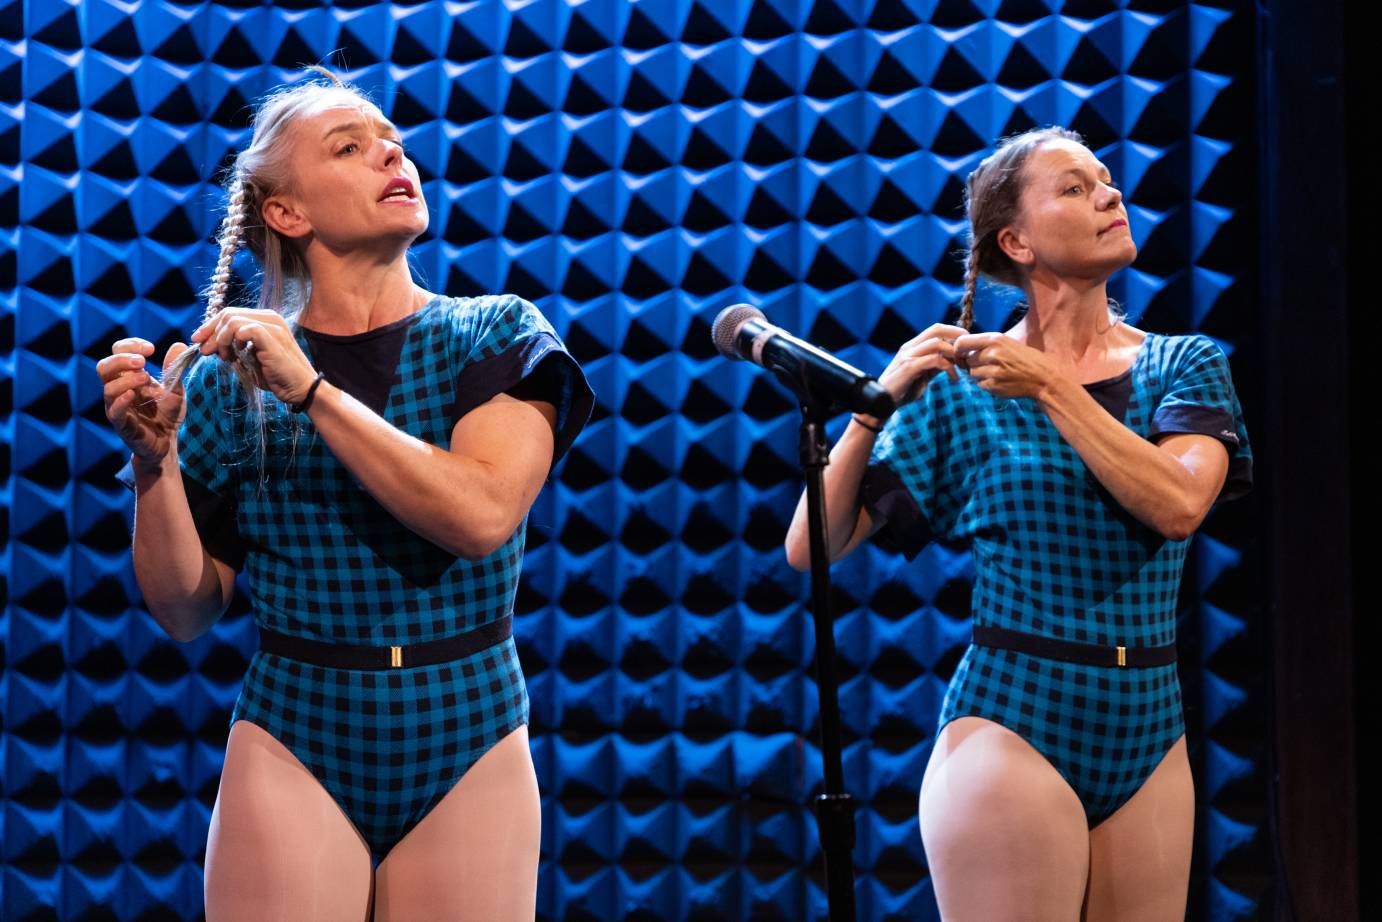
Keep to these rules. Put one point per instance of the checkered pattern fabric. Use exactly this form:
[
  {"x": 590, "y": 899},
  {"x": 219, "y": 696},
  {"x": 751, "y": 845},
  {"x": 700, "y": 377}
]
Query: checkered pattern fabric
[
  {"x": 1105, "y": 730},
  {"x": 325, "y": 561},
  {"x": 387, "y": 744},
  {"x": 1055, "y": 555},
  {"x": 323, "y": 558}
]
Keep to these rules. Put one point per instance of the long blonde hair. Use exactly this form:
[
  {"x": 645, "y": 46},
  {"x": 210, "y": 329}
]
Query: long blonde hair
[{"x": 260, "y": 171}]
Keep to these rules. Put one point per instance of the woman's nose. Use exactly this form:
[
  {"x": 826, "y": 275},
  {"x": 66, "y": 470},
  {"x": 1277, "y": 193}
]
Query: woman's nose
[
  {"x": 1112, "y": 195},
  {"x": 390, "y": 154}
]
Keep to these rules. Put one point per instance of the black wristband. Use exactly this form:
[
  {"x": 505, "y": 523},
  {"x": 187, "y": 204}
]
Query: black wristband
[
  {"x": 311, "y": 392},
  {"x": 860, "y": 422}
]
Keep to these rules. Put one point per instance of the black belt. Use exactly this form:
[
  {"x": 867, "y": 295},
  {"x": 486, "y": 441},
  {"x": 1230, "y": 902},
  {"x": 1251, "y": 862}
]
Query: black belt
[
  {"x": 347, "y": 656},
  {"x": 1070, "y": 651}
]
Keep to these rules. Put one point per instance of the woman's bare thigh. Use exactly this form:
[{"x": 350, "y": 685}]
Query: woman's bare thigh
[
  {"x": 1006, "y": 838},
  {"x": 475, "y": 855},
  {"x": 1139, "y": 862},
  {"x": 279, "y": 847}
]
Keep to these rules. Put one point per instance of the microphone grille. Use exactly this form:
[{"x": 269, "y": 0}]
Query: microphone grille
[{"x": 727, "y": 324}]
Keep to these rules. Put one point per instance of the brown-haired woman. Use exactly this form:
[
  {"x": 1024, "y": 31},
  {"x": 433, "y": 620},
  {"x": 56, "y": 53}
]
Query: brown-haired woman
[
  {"x": 375, "y": 498},
  {"x": 1076, "y": 455}
]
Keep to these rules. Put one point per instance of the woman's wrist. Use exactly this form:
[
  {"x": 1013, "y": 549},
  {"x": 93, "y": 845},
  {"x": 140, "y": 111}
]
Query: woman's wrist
[
  {"x": 151, "y": 468},
  {"x": 868, "y": 423},
  {"x": 306, "y": 394},
  {"x": 1053, "y": 392}
]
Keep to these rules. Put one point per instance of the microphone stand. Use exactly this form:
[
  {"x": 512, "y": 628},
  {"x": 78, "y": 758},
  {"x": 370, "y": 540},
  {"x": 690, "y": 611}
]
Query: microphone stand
[{"x": 835, "y": 807}]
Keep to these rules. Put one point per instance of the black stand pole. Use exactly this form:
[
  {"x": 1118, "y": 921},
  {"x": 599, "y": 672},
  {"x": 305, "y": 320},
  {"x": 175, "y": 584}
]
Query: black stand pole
[{"x": 834, "y": 808}]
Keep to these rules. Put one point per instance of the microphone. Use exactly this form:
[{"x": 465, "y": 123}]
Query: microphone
[{"x": 741, "y": 331}]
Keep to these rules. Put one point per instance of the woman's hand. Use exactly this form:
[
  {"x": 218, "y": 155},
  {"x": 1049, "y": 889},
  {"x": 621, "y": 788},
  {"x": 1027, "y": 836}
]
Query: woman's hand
[
  {"x": 277, "y": 361},
  {"x": 143, "y": 413},
  {"x": 1003, "y": 366},
  {"x": 919, "y": 360}
]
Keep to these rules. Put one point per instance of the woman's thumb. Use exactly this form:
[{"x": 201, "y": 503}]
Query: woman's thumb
[{"x": 175, "y": 363}]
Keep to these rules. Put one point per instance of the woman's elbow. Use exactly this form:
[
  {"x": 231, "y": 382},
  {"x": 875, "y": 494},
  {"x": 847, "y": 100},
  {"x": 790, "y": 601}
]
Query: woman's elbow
[
  {"x": 1179, "y": 524},
  {"x": 181, "y": 624},
  {"x": 798, "y": 547},
  {"x": 481, "y": 534}
]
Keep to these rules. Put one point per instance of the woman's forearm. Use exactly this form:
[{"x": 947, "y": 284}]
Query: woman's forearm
[
  {"x": 184, "y": 589},
  {"x": 460, "y": 503},
  {"x": 1156, "y": 487},
  {"x": 843, "y": 505}
]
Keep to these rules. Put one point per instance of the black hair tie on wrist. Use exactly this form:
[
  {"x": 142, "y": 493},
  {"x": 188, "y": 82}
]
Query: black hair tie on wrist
[
  {"x": 311, "y": 393},
  {"x": 866, "y": 425}
]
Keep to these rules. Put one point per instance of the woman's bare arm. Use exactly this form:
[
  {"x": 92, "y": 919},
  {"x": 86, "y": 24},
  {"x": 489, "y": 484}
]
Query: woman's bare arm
[
  {"x": 847, "y": 521},
  {"x": 467, "y": 500},
  {"x": 1168, "y": 486},
  {"x": 185, "y": 588}
]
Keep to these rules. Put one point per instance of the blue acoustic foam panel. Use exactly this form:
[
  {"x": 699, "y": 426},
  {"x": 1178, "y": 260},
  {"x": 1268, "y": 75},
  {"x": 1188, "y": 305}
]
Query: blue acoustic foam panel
[{"x": 632, "y": 167}]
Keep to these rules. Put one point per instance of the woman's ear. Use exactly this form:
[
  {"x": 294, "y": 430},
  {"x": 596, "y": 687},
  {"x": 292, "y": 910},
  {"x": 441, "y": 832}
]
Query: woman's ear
[
  {"x": 1014, "y": 245},
  {"x": 282, "y": 214}
]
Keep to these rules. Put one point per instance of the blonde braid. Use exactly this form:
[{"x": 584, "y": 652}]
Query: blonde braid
[
  {"x": 232, "y": 232},
  {"x": 971, "y": 286}
]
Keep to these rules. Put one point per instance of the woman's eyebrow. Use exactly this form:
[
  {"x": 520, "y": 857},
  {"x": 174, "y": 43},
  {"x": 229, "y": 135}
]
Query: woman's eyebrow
[
  {"x": 347, "y": 126},
  {"x": 385, "y": 128},
  {"x": 1081, "y": 174}
]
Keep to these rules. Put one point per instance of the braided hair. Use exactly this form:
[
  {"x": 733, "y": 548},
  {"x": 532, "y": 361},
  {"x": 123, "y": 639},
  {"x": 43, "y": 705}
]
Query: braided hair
[
  {"x": 993, "y": 194},
  {"x": 260, "y": 170}
]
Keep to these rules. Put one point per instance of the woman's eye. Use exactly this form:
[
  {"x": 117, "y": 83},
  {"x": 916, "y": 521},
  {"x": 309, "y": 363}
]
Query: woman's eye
[
  {"x": 346, "y": 149},
  {"x": 1073, "y": 190}
]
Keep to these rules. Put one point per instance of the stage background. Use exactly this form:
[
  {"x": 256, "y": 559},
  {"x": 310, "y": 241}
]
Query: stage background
[{"x": 632, "y": 168}]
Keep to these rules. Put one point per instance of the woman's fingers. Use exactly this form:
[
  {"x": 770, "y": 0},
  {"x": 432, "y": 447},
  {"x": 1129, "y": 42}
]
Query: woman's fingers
[
  {"x": 112, "y": 366},
  {"x": 919, "y": 370},
  {"x": 233, "y": 316},
  {"x": 175, "y": 350},
  {"x": 977, "y": 348},
  {"x": 133, "y": 344},
  {"x": 125, "y": 382}
]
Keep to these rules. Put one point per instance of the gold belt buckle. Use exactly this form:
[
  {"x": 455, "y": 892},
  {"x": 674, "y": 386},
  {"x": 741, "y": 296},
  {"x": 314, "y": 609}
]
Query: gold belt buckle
[
  {"x": 1122, "y": 655},
  {"x": 396, "y": 657}
]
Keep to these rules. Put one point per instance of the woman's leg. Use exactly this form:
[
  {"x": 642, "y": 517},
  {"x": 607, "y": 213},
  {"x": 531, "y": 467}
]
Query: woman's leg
[
  {"x": 1139, "y": 861},
  {"x": 475, "y": 855},
  {"x": 1006, "y": 838},
  {"x": 280, "y": 848}
]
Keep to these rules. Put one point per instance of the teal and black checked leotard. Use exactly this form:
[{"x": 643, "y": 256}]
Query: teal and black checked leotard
[
  {"x": 324, "y": 560},
  {"x": 1056, "y": 555}
]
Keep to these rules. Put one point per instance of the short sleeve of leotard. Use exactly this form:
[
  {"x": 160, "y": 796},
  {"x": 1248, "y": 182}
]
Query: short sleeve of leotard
[
  {"x": 1200, "y": 399},
  {"x": 909, "y": 486},
  {"x": 205, "y": 459},
  {"x": 506, "y": 345}
]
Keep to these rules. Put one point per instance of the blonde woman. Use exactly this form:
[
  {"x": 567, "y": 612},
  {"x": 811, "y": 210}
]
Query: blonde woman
[{"x": 366, "y": 453}]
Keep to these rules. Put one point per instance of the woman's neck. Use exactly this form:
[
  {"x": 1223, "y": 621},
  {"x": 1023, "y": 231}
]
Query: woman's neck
[
  {"x": 353, "y": 295},
  {"x": 1068, "y": 320}
]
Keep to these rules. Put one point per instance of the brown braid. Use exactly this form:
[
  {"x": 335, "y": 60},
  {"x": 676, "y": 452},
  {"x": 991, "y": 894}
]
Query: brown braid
[
  {"x": 971, "y": 286},
  {"x": 993, "y": 194}
]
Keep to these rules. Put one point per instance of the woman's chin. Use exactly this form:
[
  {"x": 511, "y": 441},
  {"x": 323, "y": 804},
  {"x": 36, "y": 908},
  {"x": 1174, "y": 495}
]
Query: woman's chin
[{"x": 393, "y": 235}]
